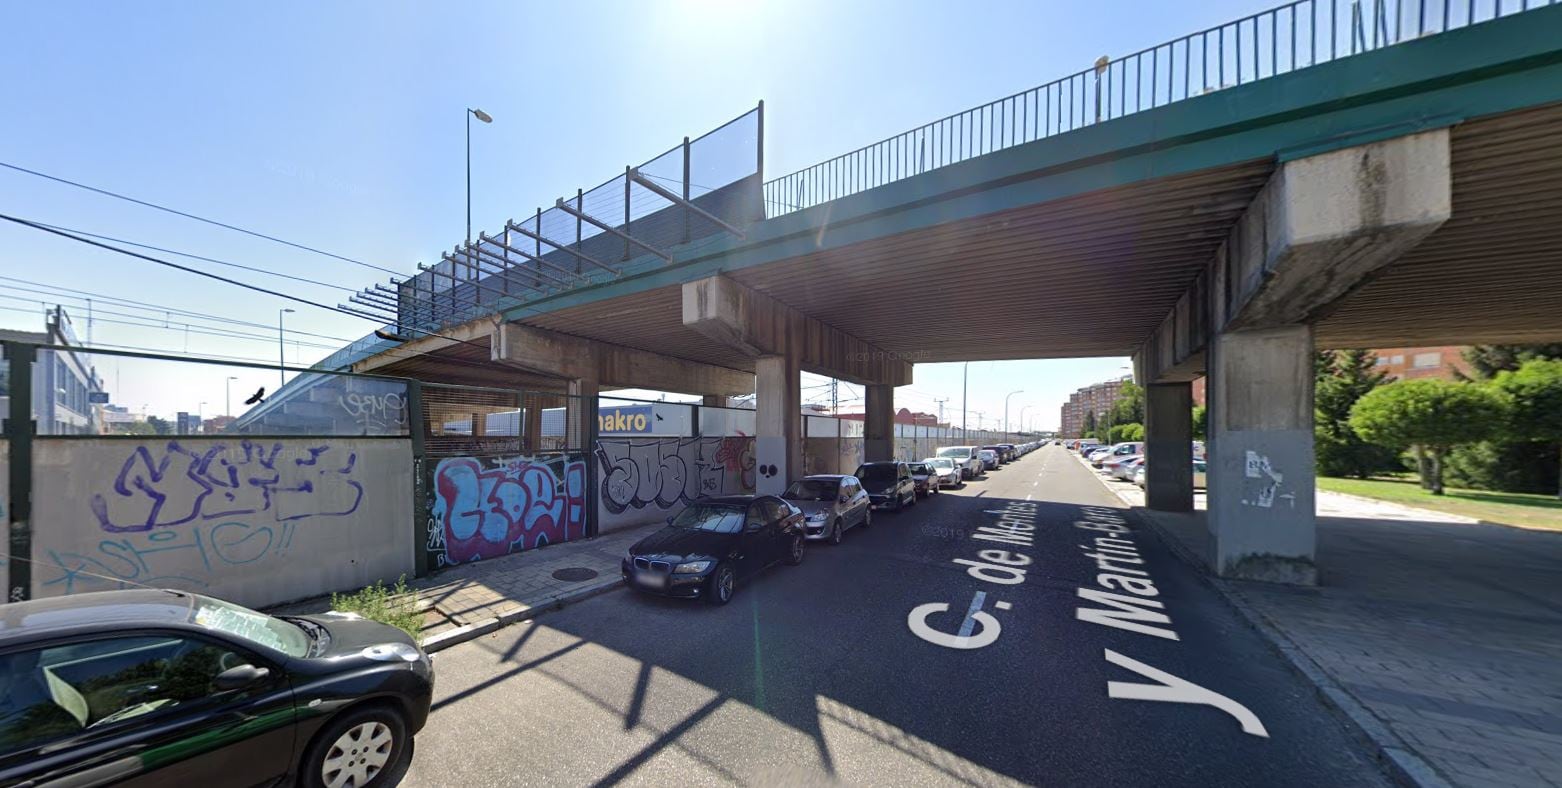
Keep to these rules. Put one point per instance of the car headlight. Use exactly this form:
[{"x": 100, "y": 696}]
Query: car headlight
[
  {"x": 692, "y": 567},
  {"x": 817, "y": 517}
]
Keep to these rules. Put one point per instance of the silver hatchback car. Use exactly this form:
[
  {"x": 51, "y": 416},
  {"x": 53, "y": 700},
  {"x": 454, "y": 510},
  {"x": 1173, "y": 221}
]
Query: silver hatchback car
[{"x": 831, "y": 504}]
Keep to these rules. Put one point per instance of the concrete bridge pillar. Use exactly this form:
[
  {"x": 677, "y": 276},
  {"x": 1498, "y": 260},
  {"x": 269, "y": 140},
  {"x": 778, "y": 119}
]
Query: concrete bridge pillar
[
  {"x": 1260, "y": 460},
  {"x": 879, "y": 428},
  {"x": 778, "y": 448},
  {"x": 783, "y": 342},
  {"x": 1322, "y": 226},
  {"x": 1168, "y": 449}
]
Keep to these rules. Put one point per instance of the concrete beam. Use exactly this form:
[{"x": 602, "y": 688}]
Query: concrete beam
[
  {"x": 758, "y": 325},
  {"x": 1321, "y": 227},
  {"x": 471, "y": 331},
  {"x": 612, "y": 366}
]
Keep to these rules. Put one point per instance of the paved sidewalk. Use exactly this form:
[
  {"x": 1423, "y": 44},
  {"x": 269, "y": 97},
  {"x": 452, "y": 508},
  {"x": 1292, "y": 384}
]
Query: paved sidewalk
[
  {"x": 1441, "y": 636},
  {"x": 466, "y": 601}
]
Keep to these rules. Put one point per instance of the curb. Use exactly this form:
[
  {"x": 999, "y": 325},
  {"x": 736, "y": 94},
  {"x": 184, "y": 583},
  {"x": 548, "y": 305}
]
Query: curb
[
  {"x": 1401, "y": 761},
  {"x": 477, "y": 629}
]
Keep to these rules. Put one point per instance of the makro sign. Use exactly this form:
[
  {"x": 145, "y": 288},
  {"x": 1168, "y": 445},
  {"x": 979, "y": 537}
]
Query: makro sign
[{"x": 625, "y": 420}]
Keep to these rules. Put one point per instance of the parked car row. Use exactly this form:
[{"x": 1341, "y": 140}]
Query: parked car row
[
  {"x": 717, "y": 542},
  {"x": 1126, "y": 460}
]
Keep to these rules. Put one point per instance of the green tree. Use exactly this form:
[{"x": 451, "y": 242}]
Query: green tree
[
  {"x": 1534, "y": 393},
  {"x": 160, "y": 426},
  {"x": 1126, "y": 432},
  {"x": 1343, "y": 378},
  {"x": 1090, "y": 424},
  {"x": 1430, "y": 416},
  {"x": 1128, "y": 408},
  {"x": 1200, "y": 423},
  {"x": 1513, "y": 462},
  {"x": 1488, "y": 360}
]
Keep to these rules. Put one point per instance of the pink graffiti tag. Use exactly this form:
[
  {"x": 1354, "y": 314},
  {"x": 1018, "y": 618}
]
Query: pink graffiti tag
[{"x": 520, "y": 505}]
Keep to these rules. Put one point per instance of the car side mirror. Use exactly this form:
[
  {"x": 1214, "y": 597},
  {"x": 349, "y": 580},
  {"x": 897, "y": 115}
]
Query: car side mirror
[
  {"x": 845, "y": 498},
  {"x": 239, "y": 677},
  {"x": 670, "y": 518}
]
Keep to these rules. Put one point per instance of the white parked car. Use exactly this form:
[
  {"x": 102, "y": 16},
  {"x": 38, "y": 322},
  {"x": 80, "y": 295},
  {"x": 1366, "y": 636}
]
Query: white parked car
[
  {"x": 948, "y": 472},
  {"x": 965, "y": 457}
]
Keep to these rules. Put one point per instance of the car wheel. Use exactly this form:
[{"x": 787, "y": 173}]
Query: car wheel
[
  {"x": 722, "y": 584},
  {"x": 867, "y": 517},
  {"x": 794, "y": 556},
  {"x": 913, "y": 497},
  {"x": 358, "y": 748},
  {"x": 835, "y": 533}
]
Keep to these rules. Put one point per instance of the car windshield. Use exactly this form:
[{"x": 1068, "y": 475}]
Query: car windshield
[
  {"x": 876, "y": 473},
  {"x": 941, "y": 463},
  {"x": 215, "y": 614},
  {"x": 917, "y": 467},
  {"x": 812, "y": 490},
  {"x": 959, "y": 452},
  {"x": 720, "y": 518}
]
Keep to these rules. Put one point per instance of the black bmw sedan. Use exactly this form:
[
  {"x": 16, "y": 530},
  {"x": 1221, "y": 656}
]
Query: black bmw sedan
[
  {"x": 149, "y": 687},
  {"x": 714, "y": 543}
]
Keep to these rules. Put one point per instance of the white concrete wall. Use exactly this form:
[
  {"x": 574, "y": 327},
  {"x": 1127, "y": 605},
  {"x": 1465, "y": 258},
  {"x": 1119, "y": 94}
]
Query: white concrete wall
[
  {"x": 647, "y": 480},
  {"x": 257, "y": 523}
]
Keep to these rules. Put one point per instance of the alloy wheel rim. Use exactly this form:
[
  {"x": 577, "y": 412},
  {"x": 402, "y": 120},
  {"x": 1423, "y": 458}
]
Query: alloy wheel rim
[
  {"x": 357, "y": 756},
  {"x": 724, "y": 584},
  {"x": 797, "y": 548}
]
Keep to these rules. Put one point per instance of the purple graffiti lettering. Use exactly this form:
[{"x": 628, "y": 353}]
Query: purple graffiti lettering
[{"x": 178, "y": 485}]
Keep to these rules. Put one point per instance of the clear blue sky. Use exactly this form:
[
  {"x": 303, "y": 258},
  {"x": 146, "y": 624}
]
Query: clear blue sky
[{"x": 340, "y": 125}]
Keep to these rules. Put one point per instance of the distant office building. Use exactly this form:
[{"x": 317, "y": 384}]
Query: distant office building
[
  {"x": 1095, "y": 399},
  {"x": 67, "y": 393}
]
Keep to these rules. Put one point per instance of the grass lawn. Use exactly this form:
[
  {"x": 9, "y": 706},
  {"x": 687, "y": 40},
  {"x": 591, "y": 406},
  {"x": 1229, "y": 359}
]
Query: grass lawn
[{"x": 1524, "y": 510}]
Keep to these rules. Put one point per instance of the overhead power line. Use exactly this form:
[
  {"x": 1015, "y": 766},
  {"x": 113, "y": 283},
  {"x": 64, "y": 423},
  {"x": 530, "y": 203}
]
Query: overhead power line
[
  {"x": 58, "y": 293},
  {"x": 240, "y": 266},
  {"x": 235, "y": 282},
  {"x": 187, "y": 215}
]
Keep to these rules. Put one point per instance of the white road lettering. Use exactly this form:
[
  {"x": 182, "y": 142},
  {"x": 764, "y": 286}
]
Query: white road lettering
[{"x": 1170, "y": 689}]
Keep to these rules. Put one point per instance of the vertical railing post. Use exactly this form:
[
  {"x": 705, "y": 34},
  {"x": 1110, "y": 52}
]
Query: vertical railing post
[
  {"x": 19, "y": 443},
  {"x": 627, "y": 184},
  {"x": 686, "y": 211},
  {"x": 422, "y": 521},
  {"x": 760, "y": 145}
]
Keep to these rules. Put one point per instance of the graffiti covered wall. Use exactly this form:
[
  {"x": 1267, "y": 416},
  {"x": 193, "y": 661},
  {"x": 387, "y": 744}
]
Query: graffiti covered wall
[
  {"x": 256, "y": 522},
  {"x": 484, "y": 507},
  {"x": 646, "y": 480}
]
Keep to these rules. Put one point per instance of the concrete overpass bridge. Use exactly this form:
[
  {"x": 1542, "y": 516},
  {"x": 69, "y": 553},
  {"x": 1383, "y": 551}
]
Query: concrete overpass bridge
[{"x": 1319, "y": 175}]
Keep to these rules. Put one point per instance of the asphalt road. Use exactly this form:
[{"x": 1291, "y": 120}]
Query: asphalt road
[{"x": 814, "y": 675}]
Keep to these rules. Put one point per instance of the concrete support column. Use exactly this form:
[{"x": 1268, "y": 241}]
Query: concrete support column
[
  {"x": 878, "y": 431},
  {"x": 778, "y": 405},
  {"x": 1260, "y": 458},
  {"x": 532, "y": 429},
  {"x": 581, "y": 413},
  {"x": 1168, "y": 438}
]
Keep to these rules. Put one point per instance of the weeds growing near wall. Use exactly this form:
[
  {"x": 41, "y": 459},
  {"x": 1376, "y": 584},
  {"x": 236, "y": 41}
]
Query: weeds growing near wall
[{"x": 397, "y": 605}]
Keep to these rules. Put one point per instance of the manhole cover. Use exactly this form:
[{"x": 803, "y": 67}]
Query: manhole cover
[{"x": 574, "y": 574}]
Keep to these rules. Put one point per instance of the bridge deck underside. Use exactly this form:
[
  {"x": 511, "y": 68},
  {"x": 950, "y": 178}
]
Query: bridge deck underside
[
  {"x": 1092, "y": 275},
  {"x": 1493, "y": 272},
  {"x": 1083, "y": 276}
]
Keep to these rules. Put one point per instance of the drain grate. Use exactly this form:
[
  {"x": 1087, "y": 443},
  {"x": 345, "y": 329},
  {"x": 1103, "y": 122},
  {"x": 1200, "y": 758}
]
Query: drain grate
[{"x": 574, "y": 574}]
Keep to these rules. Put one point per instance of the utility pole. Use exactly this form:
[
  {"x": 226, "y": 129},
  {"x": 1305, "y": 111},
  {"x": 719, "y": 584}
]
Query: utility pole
[
  {"x": 940, "y": 403},
  {"x": 965, "y": 404},
  {"x": 834, "y": 399}
]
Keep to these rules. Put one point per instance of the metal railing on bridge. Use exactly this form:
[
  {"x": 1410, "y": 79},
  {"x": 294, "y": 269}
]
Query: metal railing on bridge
[{"x": 1283, "y": 39}]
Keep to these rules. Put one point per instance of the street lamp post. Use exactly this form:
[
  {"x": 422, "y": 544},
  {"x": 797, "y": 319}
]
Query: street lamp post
[
  {"x": 1006, "y": 411},
  {"x": 486, "y": 118},
  {"x": 1022, "y": 417},
  {"x": 281, "y": 349}
]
